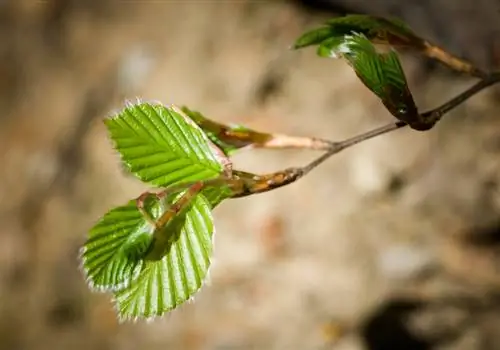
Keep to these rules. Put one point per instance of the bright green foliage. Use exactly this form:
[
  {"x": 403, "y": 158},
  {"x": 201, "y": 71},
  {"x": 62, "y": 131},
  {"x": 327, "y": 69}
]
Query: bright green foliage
[
  {"x": 111, "y": 255},
  {"x": 151, "y": 272},
  {"x": 156, "y": 258},
  {"x": 377, "y": 29},
  {"x": 330, "y": 47},
  {"x": 153, "y": 269},
  {"x": 162, "y": 146},
  {"x": 165, "y": 283}
]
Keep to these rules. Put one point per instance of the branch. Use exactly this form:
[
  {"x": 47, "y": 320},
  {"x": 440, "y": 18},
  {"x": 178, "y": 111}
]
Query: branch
[
  {"x": 264, "y": 183},
  {"x": 453, "y": 62},
  {"x": 437, "y": 113}
]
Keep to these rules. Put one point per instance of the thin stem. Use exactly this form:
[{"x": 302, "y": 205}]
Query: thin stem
[
  {"x": 163, "y": 194},
  {"x": 176, "y": 207},
  {"x": 436, "y": 114},
  {"x": 340, "y": 146}
]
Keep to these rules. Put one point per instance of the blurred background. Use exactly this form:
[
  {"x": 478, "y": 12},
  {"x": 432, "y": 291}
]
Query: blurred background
[{"x": 393, "y": 244}]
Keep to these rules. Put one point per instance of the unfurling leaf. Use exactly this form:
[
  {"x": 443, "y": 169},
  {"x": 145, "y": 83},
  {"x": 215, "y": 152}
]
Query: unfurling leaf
[
  {"x": 162, "y": 146},
  {"x": 376, "y": 29},
  {"x": 382, "y": 73},
  {"x": 229, "y": 138}
]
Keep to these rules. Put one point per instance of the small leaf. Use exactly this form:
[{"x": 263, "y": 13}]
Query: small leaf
[
  {"x": 162, "y": 146},
  {"x": 382, "y": 73},
  {"x": 111, "y": 254},
  {"x": 398, "y": 99},
  {"x": 362, "y": 56},
  {"x": 229, "y": 138},
  {"x": 314, "y": 37},
  {"x": 164, "y": 284}
]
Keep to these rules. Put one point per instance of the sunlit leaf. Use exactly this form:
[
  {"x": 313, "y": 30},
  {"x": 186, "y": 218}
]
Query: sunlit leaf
[
  {"x": 112, "y": 254},
  {"x": 164, "y": 284},
  {"x": 330, "y": 47},
  {"x": 162, "y": 146}
]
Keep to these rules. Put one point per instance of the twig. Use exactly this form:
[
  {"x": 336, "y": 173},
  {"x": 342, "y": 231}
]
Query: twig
[
  {"x": 437, "y": 113},
  {"x": 288, "y": 176},
  {"x": 458, "y": 64},
  {"x": 237, "y": 137},
  {"x": 340, "y": 146}
]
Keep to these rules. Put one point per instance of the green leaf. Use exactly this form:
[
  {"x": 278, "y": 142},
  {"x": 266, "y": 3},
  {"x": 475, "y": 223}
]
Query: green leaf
[
  {"x": 114, "y": 252},
  {"x": 366, "y": 62},
  {"x": 382, "y": 73},
  {"x": 330, "y": 47},
  {"x": 215, "y": 195},
  {"x": 398, "y": 98},
  {"x": 164, "y": 284},
  {"x": 162, "y": 146},
  {"x": 377, "y": 29},
  {"x": 383, "y": 30},
  {"x": 111, "y": 256},
  {"x": 314, "y": 37}
]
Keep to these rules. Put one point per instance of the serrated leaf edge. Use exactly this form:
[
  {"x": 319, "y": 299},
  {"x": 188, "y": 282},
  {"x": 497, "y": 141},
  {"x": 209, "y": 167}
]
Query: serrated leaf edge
[{"x": 205, "y": 282}]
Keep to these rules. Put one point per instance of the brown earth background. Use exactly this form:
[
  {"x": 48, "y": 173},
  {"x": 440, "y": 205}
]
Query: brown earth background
[{"x": 392, "y": 244}]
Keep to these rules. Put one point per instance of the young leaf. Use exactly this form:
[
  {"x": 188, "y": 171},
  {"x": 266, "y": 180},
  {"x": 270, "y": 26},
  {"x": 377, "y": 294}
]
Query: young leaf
[
  {"x": 229, "y": 138},
  {"x": 382, "y": 73},
  {"x": 164, "y": 284},
  {"x": 162, "y": 146},
  {"x": 330, "y": 47},
  {"x": 314, "y": 37},
  {"x": 111, "y": 256},
  {"x": 377, "y": 29}
]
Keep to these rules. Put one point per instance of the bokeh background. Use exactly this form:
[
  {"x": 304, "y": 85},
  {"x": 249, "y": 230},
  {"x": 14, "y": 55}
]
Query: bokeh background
[{"x": 392, "y": 244}]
